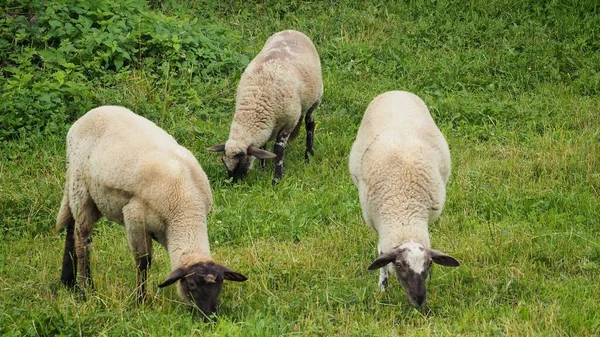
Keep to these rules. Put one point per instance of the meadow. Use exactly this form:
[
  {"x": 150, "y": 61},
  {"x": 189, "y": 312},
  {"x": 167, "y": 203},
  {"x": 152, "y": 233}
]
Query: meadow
[{"x": 513, "y": 85}]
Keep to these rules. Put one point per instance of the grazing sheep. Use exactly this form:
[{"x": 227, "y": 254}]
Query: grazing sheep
[
  {"x": 400, "y": 163},
  {"x": 281, "y": 85},
  {"x": 126, "y": 168}
]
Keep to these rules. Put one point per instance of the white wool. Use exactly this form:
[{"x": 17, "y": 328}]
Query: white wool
[
  {"x": 279, "y": 85},
  {"x": 128, "y": 166},
  {"x": 400, "y": 163}
]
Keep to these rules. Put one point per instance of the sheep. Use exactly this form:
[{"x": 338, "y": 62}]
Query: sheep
[
  {"x": 400, "y": 164},
  {"x": 124, "y": 167},
  {"x": 281, "y": 85}
]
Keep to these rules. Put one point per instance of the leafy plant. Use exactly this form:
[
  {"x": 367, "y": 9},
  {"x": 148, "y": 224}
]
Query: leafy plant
[{"x": 55, "y": 54}]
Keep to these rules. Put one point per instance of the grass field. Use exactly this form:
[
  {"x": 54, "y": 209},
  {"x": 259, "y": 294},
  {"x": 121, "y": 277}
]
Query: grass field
[{"x": 513, "y": 85}]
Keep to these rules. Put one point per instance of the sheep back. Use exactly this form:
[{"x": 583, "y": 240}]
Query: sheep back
[
  {"x": 278, "y": 86},
  {"x": 118, "y": 155},
  {"x": 400, "y": 163}
]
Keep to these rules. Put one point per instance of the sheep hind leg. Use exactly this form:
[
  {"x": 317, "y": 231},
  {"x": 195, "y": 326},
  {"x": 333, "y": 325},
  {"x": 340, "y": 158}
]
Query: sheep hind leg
[
  {"x": 279, "y": 150},
  {"x": 140, "y": 242},
  {"x": 87, "y": 216},
  {"x": 68, "y": 275},
  {"x": 309, "y": 122}
]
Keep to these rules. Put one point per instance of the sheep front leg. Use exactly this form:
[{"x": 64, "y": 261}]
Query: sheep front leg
[
  {"x": 262, "y": 162},
  {"x": 140, "y": 243},
  {"x": 279, "y": 150},
  {"x": 143, "y": 261},
  {"x": 383, "y": 276},
  {"x": 309, "y": 122}
]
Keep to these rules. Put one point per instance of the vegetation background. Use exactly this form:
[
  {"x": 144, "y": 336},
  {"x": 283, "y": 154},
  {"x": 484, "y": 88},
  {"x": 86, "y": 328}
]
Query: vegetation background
[{"x": 513, "y": 84}]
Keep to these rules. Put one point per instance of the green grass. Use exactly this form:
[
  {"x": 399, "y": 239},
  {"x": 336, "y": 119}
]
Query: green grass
[{"x": 514, "y": 87}]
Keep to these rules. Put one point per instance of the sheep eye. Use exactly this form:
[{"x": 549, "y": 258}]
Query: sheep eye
[{"x": 192, "y": 285}]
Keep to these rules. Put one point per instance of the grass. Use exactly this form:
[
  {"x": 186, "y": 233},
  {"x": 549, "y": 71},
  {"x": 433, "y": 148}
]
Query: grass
[{"x": 514, "y": 87}]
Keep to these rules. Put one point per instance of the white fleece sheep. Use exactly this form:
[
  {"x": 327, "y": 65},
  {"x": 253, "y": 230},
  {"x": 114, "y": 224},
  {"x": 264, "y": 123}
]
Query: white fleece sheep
[
  {"x": 282, "y": 84},
  {"x": 400, "y": 163},
  {"x": 126, "y": 168}
]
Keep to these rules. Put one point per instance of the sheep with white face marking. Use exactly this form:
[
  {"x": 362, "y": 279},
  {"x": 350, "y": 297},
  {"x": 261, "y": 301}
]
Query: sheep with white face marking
[
  {"x": 279, "y": 87},
  {"x": 124, "y": 167},
  {"x": 400, "y": 164}
]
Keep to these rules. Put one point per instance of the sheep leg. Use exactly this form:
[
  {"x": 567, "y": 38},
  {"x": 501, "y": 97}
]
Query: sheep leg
[
  {"x": 279, "y": 150},
  {"x": 84, "y": 224},
  {"x": 262, "y": 162},
  {"x": 383, "y": 276},
  {"x": 309, "y": 122},
  {"x": 143, "y": 261},
  {"x": 68, "y": 275},
  {"x": 140, "y": 243}
]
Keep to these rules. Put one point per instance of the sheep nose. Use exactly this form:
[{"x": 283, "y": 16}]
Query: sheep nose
[{"x": 420, "y": 300}]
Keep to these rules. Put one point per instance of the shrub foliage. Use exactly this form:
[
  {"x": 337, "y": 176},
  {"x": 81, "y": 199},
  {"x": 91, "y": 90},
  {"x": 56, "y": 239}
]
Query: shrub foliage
[{"x": 55, "y": 55}]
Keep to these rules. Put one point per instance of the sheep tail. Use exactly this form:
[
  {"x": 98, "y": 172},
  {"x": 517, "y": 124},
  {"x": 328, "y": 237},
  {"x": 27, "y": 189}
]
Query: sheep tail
[{"x": 65, "y": 217}]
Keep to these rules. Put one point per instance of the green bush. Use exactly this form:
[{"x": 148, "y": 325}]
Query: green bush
[{"x": 55, "y": 54}]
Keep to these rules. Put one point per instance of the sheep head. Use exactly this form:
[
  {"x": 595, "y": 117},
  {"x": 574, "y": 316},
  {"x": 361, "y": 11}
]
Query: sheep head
[
  {"x": 238, "y": 159},
  {"x": 411, "y": 262},
  {"x": 201, "y": 284}
]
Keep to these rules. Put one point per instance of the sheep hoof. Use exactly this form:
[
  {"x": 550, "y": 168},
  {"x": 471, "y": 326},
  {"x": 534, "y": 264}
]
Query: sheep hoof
[
  {"x": 307, "y": 157},
  {"x": 69, "y": 282},
  {"x": 81, "y": 295},
  {"x": 141, "y": 300},
  {"x": 275, "y": 181}
]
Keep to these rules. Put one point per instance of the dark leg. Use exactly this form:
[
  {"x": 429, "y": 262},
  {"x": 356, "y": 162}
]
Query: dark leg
[
  {"x": 309, "y": 122},
  {"x": 262, "y": 162},
  {"x": 143, "y": 264},
  {"x": 84, "y": 225},
  {"x": 69, "y": 265},
  {"x": 83, "y": 245},
  {"x": 279, "y": 150}
]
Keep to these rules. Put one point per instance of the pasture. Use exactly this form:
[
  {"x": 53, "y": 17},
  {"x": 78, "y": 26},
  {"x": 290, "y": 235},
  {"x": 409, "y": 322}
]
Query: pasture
[{"x": 513, "y": 85}]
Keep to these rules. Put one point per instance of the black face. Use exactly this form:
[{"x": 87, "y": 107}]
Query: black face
[
  {"x": 202, "y": 286},
  {"x": 238, "y": 166}
]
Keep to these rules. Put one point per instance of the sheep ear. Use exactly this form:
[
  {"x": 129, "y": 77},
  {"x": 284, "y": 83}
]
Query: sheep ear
[
  {"x": 175, "y": 276},
  {"x": 231, "y": 275},
  {"x": 260, "y": 153},
  {"x": 217, "y": 148},
  {"x": 383, "y": 260},
  {"x": 443, "y": 259}
]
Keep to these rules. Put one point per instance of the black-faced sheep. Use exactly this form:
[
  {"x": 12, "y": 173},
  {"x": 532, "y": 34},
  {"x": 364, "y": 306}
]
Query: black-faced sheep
[
  {"x": 279, "y": 87},
  {"x": 126, "y": 168}
]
